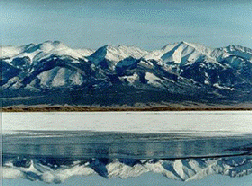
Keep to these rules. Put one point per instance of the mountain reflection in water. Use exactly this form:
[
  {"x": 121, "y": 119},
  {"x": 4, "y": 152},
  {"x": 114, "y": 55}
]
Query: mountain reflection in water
[{"x": 55, "y": 156}]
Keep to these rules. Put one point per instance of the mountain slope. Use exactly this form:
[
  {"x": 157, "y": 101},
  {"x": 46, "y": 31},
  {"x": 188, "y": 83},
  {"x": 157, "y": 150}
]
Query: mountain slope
[{"x": 177, "y": 72}]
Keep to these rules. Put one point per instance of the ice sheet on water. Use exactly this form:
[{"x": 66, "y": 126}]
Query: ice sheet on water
[{"x": 137, "y": 122}]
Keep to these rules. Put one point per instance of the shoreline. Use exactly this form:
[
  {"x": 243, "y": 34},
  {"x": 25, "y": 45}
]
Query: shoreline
[{"x": 117, "y": 109}]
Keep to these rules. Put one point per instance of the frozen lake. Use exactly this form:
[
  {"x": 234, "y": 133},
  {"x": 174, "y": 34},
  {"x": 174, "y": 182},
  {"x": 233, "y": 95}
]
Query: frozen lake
[
  {"x": 87, "y": 147},
  {"x": 56, "y": 156},
  {"x": 139, "y": 122}
]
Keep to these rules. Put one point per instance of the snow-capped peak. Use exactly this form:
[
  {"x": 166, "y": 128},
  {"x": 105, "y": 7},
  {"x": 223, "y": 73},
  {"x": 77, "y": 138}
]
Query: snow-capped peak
[
  {"x": 59, "y": 48},
  {"x": 201, "y": 48},
  {"x": 10, "y": 51},
  {"x": 117, "y": 53},
  {"x": 114, "y": 54},
  {"x": 180, "y": 52},
  {"x": 38, "y": 51},
  {"x": 237, "y": 50},
  {"x": 49, "y": 46}
]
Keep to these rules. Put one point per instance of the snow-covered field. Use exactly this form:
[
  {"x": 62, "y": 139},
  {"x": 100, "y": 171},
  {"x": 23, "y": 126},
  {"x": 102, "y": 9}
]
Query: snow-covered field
[{"x": 154, "y": 122}]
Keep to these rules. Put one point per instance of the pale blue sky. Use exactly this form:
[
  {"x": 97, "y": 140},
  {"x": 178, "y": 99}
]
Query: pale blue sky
[{"x": 147, "y": 24}]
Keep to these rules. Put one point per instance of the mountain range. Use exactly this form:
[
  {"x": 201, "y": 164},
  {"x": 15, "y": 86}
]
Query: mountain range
[
  {"x": 56, "y": 170},
  {"x": 52, "y": 73}
]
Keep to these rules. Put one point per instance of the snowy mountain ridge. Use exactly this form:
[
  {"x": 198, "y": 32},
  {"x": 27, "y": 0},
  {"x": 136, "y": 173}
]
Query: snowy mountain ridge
[
  {"x": 46, "y": 48},
  {"x": 184, "y": 69}
]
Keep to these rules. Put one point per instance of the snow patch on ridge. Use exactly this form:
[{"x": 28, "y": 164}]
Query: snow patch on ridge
[
  {"x": 10, "y": 51},
  {"x": 152, "y": 79},
  {"x": 131, "y": 79},
  {"x": 58, "y": 77}
]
